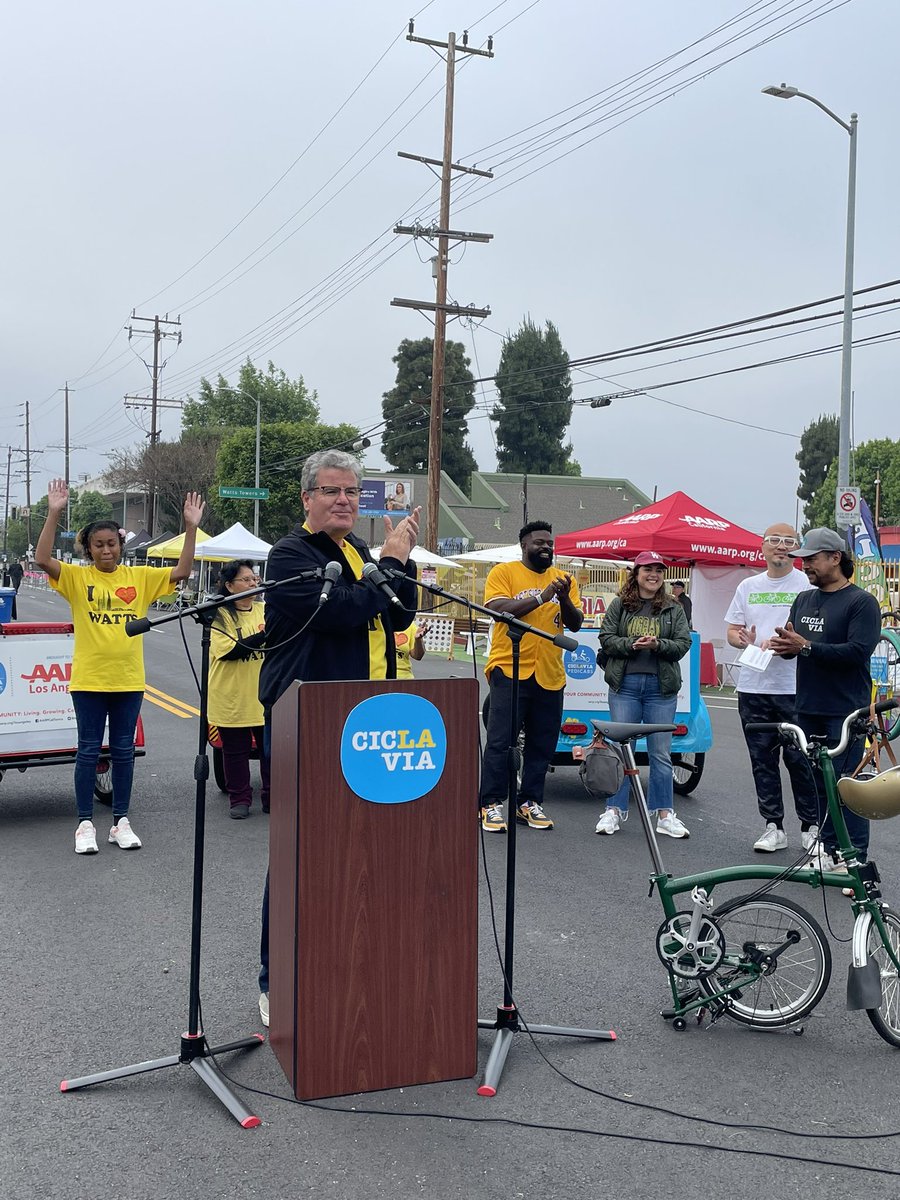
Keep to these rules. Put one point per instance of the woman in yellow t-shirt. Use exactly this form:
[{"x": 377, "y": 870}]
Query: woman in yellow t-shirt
[
  {"x": 235, "y": 658},
  {"x": 107, "y": 682}
]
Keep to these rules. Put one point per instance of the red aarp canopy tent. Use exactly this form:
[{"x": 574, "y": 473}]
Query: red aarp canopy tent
[{"x": 677, "y": 527}]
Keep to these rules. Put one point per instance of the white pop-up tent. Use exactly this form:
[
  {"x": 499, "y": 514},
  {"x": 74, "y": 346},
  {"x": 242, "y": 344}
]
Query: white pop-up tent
[
  {"x": 235, "y": 542},
  {"x": 425, "y": 558}
]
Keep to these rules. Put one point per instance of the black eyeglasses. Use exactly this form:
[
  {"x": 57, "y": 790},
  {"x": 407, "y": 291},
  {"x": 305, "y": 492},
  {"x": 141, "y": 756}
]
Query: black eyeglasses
[{"x": 352, "y": 493}]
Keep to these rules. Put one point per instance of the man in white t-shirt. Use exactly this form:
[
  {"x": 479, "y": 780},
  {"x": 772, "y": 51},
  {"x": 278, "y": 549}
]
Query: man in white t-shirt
[{"x": 760, "y": 603}]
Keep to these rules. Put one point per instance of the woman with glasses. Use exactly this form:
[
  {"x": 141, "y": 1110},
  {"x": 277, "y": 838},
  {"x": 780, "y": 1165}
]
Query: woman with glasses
[
  {"x": 643, "y": 636},
  {"x": 762, "y": 602},
  {"x": 235, "y": 657}
]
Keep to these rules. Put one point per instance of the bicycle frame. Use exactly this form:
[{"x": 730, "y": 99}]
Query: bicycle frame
[{"x": 864, "y": 982}]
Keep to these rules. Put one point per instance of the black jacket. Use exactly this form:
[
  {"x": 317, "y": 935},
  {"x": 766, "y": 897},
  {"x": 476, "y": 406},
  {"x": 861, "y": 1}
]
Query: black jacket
[{"x": 335, "y": 645}]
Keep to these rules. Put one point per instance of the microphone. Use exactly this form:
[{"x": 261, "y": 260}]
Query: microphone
[
  {"x": 138, "y": 626},
  {"x": 371, "y": 572},
  {"x": 333, "y": 572}
]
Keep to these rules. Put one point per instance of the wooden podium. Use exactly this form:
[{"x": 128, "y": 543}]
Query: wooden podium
[{"x": 373, "y": 904}]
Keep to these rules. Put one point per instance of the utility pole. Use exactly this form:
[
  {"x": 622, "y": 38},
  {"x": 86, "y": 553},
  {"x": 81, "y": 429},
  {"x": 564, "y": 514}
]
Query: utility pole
[
  {"x": 443, "y": 235},
  {"x": 68, "y": 493},
  {"x": 6, "y": 510},
  {"x": 67, "y": 448},
  {"x": 28, "y": 478},
  {"x": 154, "y": 402}
]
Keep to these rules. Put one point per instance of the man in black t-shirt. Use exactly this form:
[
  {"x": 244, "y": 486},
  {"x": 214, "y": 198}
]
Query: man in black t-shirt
[
  {"x": 833, "y": 630},
  {"x": 683, "y": 599}
]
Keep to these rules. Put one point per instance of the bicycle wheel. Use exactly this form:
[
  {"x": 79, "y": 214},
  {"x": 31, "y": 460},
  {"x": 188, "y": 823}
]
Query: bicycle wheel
[
  {"x": 886, "y": 1019},
  {"x": 686, "y": 772},
  {"x": 780, "y": 992},
  {"x": 103, "y": 782},
  {"x": 885, "y": 670}
]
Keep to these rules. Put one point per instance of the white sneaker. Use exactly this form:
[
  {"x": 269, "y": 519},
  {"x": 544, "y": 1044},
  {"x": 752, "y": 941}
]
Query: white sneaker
[
  {"x": 609, "y": 822},
  {"x": 671, "y": 826},
  {"x": 810, "y": 837},
  {"x": 123, "y": 835},
  {"x": 264, "y": 1008},
  {"x": 86, "y": 838},
  {"x": 773, "y": 839},
  {"x": 821, "y": 860}
]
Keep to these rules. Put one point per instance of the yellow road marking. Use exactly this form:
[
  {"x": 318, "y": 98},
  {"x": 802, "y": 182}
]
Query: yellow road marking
[{"x": 170, "y": 703}]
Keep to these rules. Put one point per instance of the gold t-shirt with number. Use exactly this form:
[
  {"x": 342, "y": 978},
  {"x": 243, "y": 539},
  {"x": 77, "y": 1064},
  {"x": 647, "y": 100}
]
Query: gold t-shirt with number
[{"x": 537, "y": 657}]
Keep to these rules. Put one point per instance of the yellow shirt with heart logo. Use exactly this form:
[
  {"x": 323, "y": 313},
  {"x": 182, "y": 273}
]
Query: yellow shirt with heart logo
[{"x": 105, "y": 658}]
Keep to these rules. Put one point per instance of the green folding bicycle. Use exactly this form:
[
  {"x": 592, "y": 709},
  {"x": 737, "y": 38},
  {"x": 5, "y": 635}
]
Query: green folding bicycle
[{"x": 760, "y": 958}]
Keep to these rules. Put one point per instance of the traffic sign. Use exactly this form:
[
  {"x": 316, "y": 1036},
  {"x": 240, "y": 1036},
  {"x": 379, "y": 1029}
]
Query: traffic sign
[
  {"x": 238, "y": 493},
  {"x": 846, "y": 505}
]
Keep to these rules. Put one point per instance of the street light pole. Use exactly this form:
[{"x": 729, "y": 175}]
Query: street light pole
[
  {"x": 256, "y": 477},
  {"x": 785, "y": 92},
  {"x": 847, "y": 340}
]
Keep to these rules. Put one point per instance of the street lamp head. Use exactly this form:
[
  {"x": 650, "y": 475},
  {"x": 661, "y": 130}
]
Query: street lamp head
[{"x": 783, "y": 92}]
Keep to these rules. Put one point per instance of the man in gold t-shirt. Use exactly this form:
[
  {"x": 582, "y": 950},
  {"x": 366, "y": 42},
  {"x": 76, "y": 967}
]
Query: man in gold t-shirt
[{"x": 536, "y": 592}]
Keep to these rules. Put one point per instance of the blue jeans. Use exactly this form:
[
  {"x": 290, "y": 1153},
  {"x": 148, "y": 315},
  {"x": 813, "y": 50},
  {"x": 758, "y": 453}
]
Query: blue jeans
[
  {"x": 639, "y": 699},
  {"x": 91, "y": 712},
  {"x": 845, "y": 764}
]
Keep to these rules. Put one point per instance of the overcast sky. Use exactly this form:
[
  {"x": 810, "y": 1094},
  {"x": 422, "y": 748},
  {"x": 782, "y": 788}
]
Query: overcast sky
[{"x": 154, "y": 155}]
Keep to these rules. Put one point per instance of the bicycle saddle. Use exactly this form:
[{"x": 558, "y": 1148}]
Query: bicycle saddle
[
  {"x": 622, "y": 731},
  {"x": 876, "y": 799}
]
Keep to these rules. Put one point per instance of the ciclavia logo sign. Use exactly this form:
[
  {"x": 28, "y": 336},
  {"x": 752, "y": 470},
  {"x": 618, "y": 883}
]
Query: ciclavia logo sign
[
  {"x": 580, "y": 663},
  {"x": 2, "y": 678},
  {"x": 393, "y": 748}
]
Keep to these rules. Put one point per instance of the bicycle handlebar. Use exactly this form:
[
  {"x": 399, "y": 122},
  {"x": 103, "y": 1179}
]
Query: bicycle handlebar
[{"x": 795, "y": 732}]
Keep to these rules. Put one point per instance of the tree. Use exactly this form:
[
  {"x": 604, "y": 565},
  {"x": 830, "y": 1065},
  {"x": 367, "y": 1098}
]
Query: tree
[
  {"x": 818, "y": 449},
  {"x": 407, "y": 411},
  {"x": 188, "y": 465},
  {"x": 282, "y": 450},
  {"x": 16, "y": 538},
  {"x": 232, "y": 407},
  {"x": 870, "y": 459},
  {"x": 89, "y": 506},
  {"x": 535, "y": 403}
]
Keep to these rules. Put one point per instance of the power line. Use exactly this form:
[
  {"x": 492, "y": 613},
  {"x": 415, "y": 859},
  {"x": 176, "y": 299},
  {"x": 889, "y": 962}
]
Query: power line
[
  {"x": 281, "y": 178},
  {"x": 669, "y": 92}
]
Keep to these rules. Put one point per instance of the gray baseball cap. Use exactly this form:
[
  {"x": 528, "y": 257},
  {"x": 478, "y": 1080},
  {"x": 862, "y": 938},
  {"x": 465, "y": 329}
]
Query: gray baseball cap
[{"x": 817, "y": 540}]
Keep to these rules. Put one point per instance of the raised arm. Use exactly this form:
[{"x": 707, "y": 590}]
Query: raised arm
[
  {"x": 193, "y": 511},
  {"x": 57, "y": 499}
]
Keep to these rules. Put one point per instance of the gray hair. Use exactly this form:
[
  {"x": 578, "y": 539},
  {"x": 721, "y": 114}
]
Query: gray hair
[{"x": 323, "y": 460}]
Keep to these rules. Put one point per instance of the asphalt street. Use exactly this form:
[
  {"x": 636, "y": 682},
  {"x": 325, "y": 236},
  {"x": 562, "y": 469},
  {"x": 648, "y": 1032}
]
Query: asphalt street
[{"x": 95, "y": 970}]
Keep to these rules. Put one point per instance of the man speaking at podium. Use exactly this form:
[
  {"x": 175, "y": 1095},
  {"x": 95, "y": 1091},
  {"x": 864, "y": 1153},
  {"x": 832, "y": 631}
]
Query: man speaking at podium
[{"x": 349, "y": 634}]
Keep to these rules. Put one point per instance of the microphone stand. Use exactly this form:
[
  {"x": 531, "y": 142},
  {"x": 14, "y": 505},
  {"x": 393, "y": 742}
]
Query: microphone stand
[
  {"x": 507, "y": 1023},
  {"x": 194, "y": 1050}
]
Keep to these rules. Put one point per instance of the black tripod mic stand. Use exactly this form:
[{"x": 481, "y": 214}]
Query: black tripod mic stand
[
  {"x": 507, "y": 1023},
  {"x": 194, "y": 1051}
]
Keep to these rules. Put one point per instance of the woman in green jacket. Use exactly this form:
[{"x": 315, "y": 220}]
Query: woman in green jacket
[{"x": 643, "y": 636}]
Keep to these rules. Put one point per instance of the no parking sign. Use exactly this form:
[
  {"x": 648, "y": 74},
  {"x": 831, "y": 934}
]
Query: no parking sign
[{"x": 846, "y": 506}]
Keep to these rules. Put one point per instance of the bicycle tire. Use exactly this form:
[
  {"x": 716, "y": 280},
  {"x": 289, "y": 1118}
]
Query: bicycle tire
[
  {"x": 886, "y": 677},
  {"x": 800, "y": 976},
  {"x": 103, "y": 782},
  {"x": 686, "y": 772},
  {"x": 886, "y": 1018}
]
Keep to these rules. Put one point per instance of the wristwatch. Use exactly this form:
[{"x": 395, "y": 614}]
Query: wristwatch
[{"x": 806, "y": 649}]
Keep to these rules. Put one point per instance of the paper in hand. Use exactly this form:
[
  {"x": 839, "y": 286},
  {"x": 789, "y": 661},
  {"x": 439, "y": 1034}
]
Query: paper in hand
[{"x": 755, "y": 658}]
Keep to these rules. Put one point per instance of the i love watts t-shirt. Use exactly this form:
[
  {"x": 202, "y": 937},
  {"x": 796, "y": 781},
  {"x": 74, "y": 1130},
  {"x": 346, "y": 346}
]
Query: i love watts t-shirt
[{"x": 105, "y": 659}]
